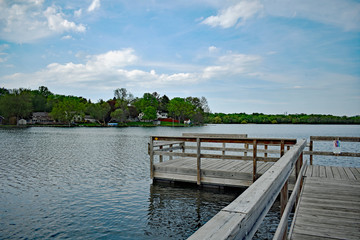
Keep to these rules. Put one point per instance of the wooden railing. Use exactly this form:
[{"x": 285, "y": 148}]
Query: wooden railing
[
  {"x": 169, "y": 146},
  {"x": 242, "y": 217},
  {"x": 311, "y": 151}
]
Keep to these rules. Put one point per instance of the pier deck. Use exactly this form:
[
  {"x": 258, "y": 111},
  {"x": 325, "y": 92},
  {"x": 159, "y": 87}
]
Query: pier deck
[
  {"x": 236, "y": 173},
  {"x": 329, "y": 206}
]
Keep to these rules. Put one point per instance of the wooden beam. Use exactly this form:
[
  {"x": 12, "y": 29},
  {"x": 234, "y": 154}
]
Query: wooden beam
[
  {"x": 198, "y": 161},
  {"x": 254, "y": 160},
  {"x": 332, "y": 138}
]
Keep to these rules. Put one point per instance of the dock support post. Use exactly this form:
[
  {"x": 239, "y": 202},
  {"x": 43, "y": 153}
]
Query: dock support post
[
  {"x": 151, "y": 149},
  {"x": 160, "y": 156},
  {"x": 170, "y": 157},
  {"x": 254, "y": 160},
  {"x": 282, "y": 148},
  {"x": 223, "y": 151},
  {"x": 198, "y": 160},
  {"x": 311, "y": 149},
  {"x": 265, "y": 147},
  {"x": 246, "y": 148}
]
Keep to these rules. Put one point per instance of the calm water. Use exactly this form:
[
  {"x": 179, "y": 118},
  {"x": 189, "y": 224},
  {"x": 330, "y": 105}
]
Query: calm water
[{"x": 93, "y": 183}]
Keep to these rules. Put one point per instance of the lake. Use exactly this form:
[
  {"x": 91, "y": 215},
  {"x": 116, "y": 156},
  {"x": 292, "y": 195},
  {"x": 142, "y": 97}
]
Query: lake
[{"x": 93, "y": 183}]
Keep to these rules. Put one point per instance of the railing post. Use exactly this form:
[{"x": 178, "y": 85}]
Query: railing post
[
  {"x": 151, "y": 151},
  {"x": 198, "y": 160},
  {"x": 282, "y": 148},
  {"x": 170, "y": 157},
  {"x": 246, "y": 148},
  {"x": 284, "y": 197},
  {"x": 254, "y": 159},
  {"x": 265, "y": 147},
  {"x": 311, "y": 149},
  {"x": 161, "y": 156},
  {"x": 223, "y": 151}
]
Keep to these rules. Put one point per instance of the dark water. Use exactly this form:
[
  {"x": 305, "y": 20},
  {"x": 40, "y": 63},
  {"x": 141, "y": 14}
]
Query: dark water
[{"x": 93, "y": 183}]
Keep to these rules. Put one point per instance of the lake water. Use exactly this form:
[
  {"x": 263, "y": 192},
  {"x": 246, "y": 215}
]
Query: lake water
[{"x": 93, "y": 183}]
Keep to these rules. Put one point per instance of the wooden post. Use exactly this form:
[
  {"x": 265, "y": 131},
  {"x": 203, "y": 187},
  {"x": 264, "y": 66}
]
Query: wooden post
[
  {"x": 151, "y": 149},
  {"x": 311, "y": 149},
  {"x": 223, "y": 151},
  {"x": 284, "y": 196},
  {"x": 171, "y": 157},
  {"x": 160, "y": 156},
  {"x": 282, "y": 148},
  {"x": 198, "y": 160},
  {"x": 265, "y": 147},
  {"x": 254, "y": 159},
  {"x": 246, "y": 148}
]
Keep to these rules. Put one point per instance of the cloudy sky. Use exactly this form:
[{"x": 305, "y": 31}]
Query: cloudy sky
[{"x": 270, "y": 56}]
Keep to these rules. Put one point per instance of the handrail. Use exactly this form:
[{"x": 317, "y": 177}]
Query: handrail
[
  {"x": 154, "y": 142},
  {"x": 331, "y": 138},
  {"x": 294, "y": 198},
  {"x": 242, "y": 217}
]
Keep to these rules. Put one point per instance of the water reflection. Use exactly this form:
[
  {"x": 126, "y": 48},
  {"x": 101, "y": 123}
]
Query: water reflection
[{"x": 184, "y": 208}]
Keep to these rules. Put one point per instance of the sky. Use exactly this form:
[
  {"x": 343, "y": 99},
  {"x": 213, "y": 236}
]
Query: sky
[{"x": 263, "y": 56}]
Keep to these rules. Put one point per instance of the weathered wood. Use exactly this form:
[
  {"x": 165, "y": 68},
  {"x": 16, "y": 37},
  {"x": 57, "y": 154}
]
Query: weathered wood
[
  {"x": 216, "y": 135},
  {"x": 329, "y": 207},
  {"x": 332, "y": 138},
  {"x": 198, "y": 161},
  {"x": 284, "y": 193},
  {"x": 151, "y": 152},
  {"x": 294, "y": 198},
  {"x": 254, "y": 160},
  {"x": 242, "y": 217},
  {"x": 342, "y": 154}
]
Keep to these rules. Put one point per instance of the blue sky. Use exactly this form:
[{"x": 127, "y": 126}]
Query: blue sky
[{"x": 243, "y": 56}]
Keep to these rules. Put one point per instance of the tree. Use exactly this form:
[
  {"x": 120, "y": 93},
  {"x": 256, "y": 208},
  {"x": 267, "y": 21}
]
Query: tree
[
  {"x": 67, "y": 109},
  {"x": 118, "y": 115},
  {"x": 99, "y": 111},
  {"x": 16, "y": 104},
  {"x": 149, "y": 113},
  {"x": 148, "y": 100},
  {"x": 180, "y": 108}
]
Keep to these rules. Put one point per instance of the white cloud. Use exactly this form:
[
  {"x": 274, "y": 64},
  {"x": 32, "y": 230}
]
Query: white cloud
[
  {"x": 232, "y": 63},
  {"x": 340, "y": 13},
  {"x": 24, "y": 21},
  {"x": 94, "y": 5},
  {"x": 67, "y": 37},
  {"x": 229, "y": 17}
]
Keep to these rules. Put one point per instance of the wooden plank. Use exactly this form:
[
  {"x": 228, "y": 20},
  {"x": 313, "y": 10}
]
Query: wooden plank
[
  {"x": 349, "y": 173},
  {"x": 216, "y": 135},
  {"x": 332, "y": 138},
  {"x": 356, "y": 172},
  {"x": 336, "y": 172},
  {"x": 328, "y": 172},
  {"x": 342, "y": 173},
  {"x": 342, "y": 154},
  {"x": 322, "y": 171}
]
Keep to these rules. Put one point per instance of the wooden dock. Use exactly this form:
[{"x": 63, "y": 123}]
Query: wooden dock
[
  {"x": 327, "y": 198},
  {"x": 226, "y": 172},
  {"x": 329, "y": 206}
]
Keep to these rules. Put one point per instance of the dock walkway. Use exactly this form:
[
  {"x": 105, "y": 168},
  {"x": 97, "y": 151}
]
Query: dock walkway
[
  {"x": 329, "y": 206},
  {"x": 235, "y": 173}
]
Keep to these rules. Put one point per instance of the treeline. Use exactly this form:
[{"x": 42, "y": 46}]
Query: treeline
[
  {"x": 261, "y": 118},
  {"x": 123, "y": 107}
]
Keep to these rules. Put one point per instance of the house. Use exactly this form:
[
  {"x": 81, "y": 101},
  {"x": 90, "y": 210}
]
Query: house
[
  {"x": 21, "y": 122},
  {"x": 89, "y": 119},
  {"x": 42, "y": 118}
]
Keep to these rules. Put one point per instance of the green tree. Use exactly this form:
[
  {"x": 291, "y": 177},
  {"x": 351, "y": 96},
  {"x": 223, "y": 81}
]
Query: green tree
[
  {"x": 99, "y": 111},
  {"x": 148, "y": 100},
  {"x": 67, "y": 109},
  {"x": 180, "y": 108},
  {"x": 16, "y": 103},
  {"x": 149, "y": 113}
]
